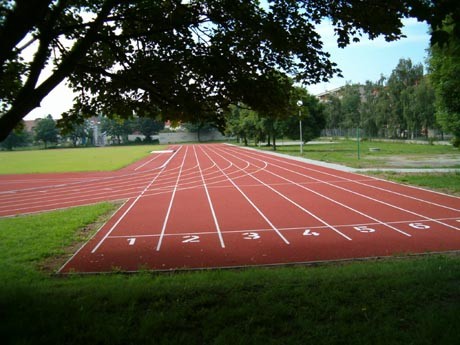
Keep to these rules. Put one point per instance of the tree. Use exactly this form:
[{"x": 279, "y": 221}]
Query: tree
[
  {"x": 46, "y": 131},
  {"x": 116, "y": 127},
  {"x": 147, "y": 127},
  {"x": 18, "y": 137},
  {"x": 183, "y": 58},
  {"x": 333, "y": 112},
  {"x": 79, "y": 133},
  {"x": 444, "y": 64},
  {"x": 312, "y": 115},
  {"x": 351, "y": 105},
  {"x": 400, "y": 86},
  {"x": 243, "y": 122}
]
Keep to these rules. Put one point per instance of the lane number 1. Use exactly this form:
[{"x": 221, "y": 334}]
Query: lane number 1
[{"x": 131, "y": 241}]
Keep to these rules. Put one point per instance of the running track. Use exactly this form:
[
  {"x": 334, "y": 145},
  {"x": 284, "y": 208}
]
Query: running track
[{"x": 208, "y": 206}]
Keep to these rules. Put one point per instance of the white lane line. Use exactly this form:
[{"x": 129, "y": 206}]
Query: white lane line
[
  {"x": 296, "y": 204},
  {"x": 258, "y": 230},
  {"x": 84, "y": 180},
  {"x": 222, "y": 244},
  {"x": 127, "y": 210},
  {"x": 84, "y": 245},
  {"x": 372, "y": 178},
  {"x": 332, "y": 200},
  {"x": 370, "y": 198},
  {"x": 149, "y": 161},
  {"x": 163, "y": 229},
  {"x": 250, "y": 201}
]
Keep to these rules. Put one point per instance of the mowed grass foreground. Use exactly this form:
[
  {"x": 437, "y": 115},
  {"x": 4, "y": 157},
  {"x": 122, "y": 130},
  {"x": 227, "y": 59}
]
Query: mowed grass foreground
[
  {"x": 399, "y": 301},
  {"x": 72, "y": 160}
]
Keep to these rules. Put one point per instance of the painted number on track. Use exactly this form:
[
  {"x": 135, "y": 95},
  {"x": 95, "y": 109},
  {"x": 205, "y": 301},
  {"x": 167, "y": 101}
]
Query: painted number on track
[
  {"x": 364, "y": 229},
  {"x": 419, "y": 226},
  {"x": 191, "y": 239},
  {"x": 131, "y": 241},
  {"x": 251, "y": 236},
  {"x": 308, "y": 232}
]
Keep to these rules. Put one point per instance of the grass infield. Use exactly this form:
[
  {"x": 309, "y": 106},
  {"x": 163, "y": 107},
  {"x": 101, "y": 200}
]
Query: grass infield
[
  {"x": 400, "y": 301},
  {"x": 72, "y": 160}
]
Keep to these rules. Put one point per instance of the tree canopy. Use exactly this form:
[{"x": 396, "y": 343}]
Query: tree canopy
[
  {"x": 181, "y": 59},
  {"x": 444, "y": 64}
]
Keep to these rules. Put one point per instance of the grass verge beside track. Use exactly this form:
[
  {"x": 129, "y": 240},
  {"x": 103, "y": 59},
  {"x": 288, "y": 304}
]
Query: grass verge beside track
[
  {"x": 73, "y": 160},
  {"x": 400, "y": 301},
  {"x": 442, "y": 182},
  {"x": 384, "y": 154}
]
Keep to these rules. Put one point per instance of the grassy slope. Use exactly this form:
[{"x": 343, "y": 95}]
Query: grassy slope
[
  {"x": 70, "y": 160},
  {"x": 413, "y": 301}
]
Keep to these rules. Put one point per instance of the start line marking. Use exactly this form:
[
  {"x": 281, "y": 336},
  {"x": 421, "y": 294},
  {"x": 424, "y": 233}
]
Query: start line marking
[{"x": 163, "y": 151}]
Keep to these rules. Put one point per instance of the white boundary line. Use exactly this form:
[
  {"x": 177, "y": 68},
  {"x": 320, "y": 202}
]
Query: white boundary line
[
  {"x": 163, "y": 229},
  {"x": 84, "y": 244},
  {"x": 149, "y": 161},
  {"x": 292, "y": 201},
  {"x": 129, "y": 209},
  {"x": 222, "y": 244},
  {"x": 334, "y": 201},
  {"x": 250, "y": 201},
  {"x": 341, "y": 168},
  {"x": 288, "y": 229},
  {"x": 368, "y": 197}
]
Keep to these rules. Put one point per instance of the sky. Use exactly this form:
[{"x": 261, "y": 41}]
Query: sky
[
  {"x": 368, "y": 60},
  {"x": 359, "y": 62}
]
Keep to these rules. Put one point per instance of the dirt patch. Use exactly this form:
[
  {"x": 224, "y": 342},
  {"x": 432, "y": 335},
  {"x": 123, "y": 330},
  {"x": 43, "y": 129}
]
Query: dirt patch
[
  {"x": 53, "y": 263},
  {"x": 426, "y": 161}
]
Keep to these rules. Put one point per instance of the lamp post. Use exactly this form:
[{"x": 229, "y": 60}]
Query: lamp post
[{"x": 299, "y": 104}]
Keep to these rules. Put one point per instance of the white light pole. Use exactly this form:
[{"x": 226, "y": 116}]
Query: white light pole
[{"x": 299, "y": 104}]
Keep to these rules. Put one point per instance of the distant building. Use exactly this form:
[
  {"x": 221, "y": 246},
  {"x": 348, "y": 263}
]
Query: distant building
[{"x": 337, "y": 92}]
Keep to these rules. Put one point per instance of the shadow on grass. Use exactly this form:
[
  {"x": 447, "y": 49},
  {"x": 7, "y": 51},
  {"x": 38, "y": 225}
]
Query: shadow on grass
[{"x": 395, "y": 302}]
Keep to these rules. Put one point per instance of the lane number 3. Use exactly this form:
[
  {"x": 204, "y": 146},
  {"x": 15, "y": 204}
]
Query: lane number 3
[{"x": 251, "y": 236}]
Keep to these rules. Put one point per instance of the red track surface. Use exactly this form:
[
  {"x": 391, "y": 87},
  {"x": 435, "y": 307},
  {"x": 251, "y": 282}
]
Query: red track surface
[{"x": 206, "y": 206}]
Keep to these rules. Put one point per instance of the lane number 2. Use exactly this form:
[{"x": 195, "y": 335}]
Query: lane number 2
[
  {"x": 191, "y": 239},
  {"x": 308, "y": 232}
]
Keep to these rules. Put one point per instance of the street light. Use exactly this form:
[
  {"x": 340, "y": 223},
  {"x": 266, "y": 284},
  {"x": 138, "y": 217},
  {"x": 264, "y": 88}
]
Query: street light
[{"x": 300, "y": 104}]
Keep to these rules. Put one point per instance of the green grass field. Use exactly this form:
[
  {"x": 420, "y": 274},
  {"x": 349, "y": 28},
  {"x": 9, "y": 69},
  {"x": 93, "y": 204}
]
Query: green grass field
[
  {"x": 399, "y": 301},
  {"x": 443, "y": 182},
  {"x": 72, "y": 160},
  {"x": 389, "y": 154}
]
